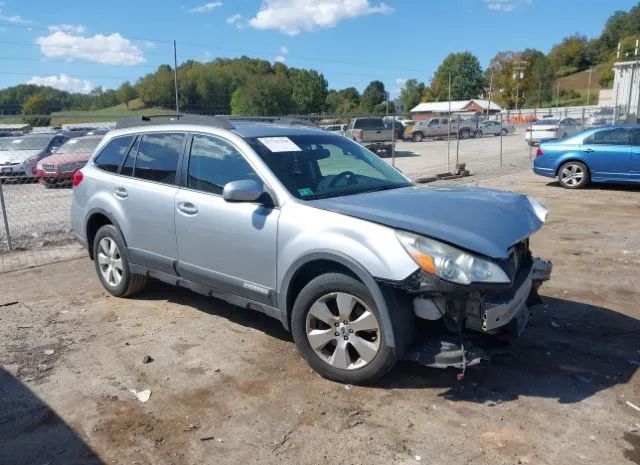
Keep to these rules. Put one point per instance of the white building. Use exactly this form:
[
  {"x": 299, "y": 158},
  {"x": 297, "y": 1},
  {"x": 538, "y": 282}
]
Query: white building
[
  {"x": 626, "y": 89},
  {"x": 428, "y": 110}
]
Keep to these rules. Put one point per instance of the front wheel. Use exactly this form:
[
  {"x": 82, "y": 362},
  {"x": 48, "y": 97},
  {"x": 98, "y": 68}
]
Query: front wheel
[
  {"x": 464, "y": 134},
  {"x": 504, "y": 132},
  {"x": 479, "y": 134},
  {"x": 573, "y": 175},
  {"x": 417, "y": 137},
  {"x": 112, "y": 264},
  {"x": 339, "y": 332}
]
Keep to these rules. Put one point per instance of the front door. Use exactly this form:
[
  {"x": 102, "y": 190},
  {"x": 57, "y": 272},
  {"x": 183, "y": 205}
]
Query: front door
[
  {"x": 227, "y": 246},
  {"x": 608, "y": 153},
  {"x": 634, "y": 171}
]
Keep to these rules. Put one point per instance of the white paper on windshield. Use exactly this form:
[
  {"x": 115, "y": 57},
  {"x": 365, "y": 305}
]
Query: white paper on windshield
[
  {"x": 279, "y": 144},
  {"x": 17, "y": 141}
]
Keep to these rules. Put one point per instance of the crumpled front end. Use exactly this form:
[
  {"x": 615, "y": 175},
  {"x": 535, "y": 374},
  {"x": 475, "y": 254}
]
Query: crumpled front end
[{"x": 455, "y": 319}]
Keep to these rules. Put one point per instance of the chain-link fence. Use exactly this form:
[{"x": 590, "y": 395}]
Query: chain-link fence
[{"x": 38, "y": 162}]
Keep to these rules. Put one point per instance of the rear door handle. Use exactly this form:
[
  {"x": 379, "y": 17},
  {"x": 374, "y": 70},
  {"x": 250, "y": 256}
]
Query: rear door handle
[
  {"x": 187, "y": 208},
  {"x": 120, "y": 192}
]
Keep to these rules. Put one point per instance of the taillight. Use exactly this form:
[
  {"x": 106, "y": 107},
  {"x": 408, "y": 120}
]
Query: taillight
[
  {"x": 539, "y": 152},
  {"x": 360, "y": 135},
  {"x": 77, "y": 178}
]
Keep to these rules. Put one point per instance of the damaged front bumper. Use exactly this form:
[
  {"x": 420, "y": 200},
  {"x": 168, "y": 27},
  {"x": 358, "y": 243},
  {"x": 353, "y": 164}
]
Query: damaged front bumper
[{"x": 477, "y": 311}]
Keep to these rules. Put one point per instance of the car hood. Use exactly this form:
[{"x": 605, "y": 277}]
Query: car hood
[
  {"x": 484, "y": 221},
  {"x": 17, "y": 156},
  {"x": 59, "y": 158}
]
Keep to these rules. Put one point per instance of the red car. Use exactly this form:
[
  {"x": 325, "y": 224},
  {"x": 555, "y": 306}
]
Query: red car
[{"x": 60, "y": 167}]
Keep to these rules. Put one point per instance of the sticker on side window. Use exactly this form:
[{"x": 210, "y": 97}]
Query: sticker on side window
[{"x": 279, "y": 144}]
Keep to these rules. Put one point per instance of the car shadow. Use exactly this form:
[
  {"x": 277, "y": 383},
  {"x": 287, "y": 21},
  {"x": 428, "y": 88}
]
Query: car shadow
[
  {"x": 622, "y": 187},
  {"x": 569, "y": 352},
  {"x": 32, "y": 433},
  {"x": 404, "y": 154}
]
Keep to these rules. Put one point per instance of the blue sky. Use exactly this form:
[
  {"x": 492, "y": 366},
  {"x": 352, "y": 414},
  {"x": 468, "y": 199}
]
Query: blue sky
[{"x": 74, "y": 46}]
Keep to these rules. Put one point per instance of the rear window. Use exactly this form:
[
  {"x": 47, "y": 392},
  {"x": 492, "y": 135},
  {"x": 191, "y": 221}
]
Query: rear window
[
  {"x": 369, "y": 123},
  {"x": 617, "y": 136},
  {"x": 113, "y": 153},
  {"x": 546, "y": 122},
  {"x": 157, "y": 157}
]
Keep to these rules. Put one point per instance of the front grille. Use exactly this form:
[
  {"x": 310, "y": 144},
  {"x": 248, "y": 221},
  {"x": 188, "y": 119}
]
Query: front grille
[{"x": 49, "y": 168}]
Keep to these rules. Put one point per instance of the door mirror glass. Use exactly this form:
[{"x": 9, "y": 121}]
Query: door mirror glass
[{"x": 246, "y": 190}]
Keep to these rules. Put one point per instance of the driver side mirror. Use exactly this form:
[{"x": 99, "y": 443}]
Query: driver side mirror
[{"x": 246, "y": 190}]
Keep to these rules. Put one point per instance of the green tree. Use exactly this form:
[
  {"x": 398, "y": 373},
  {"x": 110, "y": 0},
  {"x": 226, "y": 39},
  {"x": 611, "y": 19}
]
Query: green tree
[
  {"x": 265, "y": 95},
  {"x": 125, "y": 93},
  {"x": 467, "y": 78},
  {"x": 373, "y": 95},
  {"x": 411, "y": 93},
  {"x": 570, "y": 55},
  {"x": 309, "y": 92},
  {"x": 343, "y": 102},
  {"x": 36, "y": 111},
  {"x": 157, "y": 89}
]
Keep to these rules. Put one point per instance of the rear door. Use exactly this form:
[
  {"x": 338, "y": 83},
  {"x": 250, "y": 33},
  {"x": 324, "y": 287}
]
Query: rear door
[
  {"x": 634, "y": 170},
  {"x": 146, "y": 190},
  {"x": 608, "y": 153}
]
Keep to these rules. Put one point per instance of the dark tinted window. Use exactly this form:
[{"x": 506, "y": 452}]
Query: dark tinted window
[
  {"x": 369, "y": 123},
  {"x": 112, "y": 154},
  {"x": 157, "y": 157},
  {"x": 617, "y": 136},
  {"x": 634, "y": 136},
  {"x": 214, "y": 163},
  {"x": 127, "y": 168}
]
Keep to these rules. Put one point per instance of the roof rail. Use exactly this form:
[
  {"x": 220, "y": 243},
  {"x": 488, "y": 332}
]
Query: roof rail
[
  {"x": 273, "y": 119},
  {"x": 145, "y": 120}
]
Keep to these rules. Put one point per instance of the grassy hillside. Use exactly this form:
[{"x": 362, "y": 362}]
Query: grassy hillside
[
  {"x": 136, "y": 107},
  {"x": 580, "y": 80}
]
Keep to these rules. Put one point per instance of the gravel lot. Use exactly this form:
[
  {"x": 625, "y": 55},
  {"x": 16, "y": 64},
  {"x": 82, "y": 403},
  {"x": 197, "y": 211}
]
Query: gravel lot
[
  {"x": 39, "y": 216},
  {"x": 227, "y": 385}
]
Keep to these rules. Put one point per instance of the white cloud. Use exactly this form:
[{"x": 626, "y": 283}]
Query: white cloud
[
  {"x": 234, "y": 19},
  {"x": 206, "y": 8},
  {"x": 110, "y": 49},
  {"x": 63, "y": 82},
  {"x": 70, "y": 28},
  {"x": 15, "y": 19},
  {"x": 294, "y": 16},
  {"x": 280, "y": 59},
  {"x": 283, "y": 50},
  {"x": 500, "y": 5},
  {"x": 401, "y": 81}
]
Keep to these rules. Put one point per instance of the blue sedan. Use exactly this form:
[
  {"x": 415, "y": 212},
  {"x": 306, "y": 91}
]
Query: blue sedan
[{"x": 606, "y": 154}]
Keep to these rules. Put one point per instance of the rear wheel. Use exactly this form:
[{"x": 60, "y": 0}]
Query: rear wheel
[
  {"x": 417, "y": 137},
  {"x": 573, "y": 175},
  {"x": 112, "y": 264},
  {"x": 479, "y": 133},
  {"x": 464, "y": 133},
  {"x": 504, "y": 132},
  {"x": 339, "y": 332}
]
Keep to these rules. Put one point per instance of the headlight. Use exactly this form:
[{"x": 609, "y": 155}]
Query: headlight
[
  {"x": 449, "y": 263},
  {"x": 539, "y": 209}
]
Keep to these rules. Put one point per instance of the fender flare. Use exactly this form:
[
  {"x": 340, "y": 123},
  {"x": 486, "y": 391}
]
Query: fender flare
[
  {"x": 357, "y": 269},
  {"x": 112, "y": 220}
]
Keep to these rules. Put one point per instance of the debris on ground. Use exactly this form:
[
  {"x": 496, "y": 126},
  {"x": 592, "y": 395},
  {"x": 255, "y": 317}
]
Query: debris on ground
[
  {"x": 633, "y": 406},
  {"x": 348, "y": 387},
  {"x": 147, "y": 359},
  {"x": 142, "y": 396},
  {"x": 49, "y": 352},
  {"x": 207, "y": 438}
]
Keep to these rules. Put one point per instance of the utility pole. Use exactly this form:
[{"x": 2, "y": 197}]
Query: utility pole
[
  {"x": 449, "y": 126},
  {"x": 519, "y": 68},
  {"x": 631, "y": 81},
  {"x": 387, "y": 110},
  {"x": 558, "y": 98},
  {"x": 175, "y": 75},
  {"x": 589, "y": 86}
]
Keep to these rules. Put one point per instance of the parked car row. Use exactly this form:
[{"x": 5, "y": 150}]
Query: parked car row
[{"x": 51, "y": 158}]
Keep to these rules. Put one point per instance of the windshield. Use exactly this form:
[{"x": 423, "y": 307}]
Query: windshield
[
  {"x": 322, "y": 166},
  {"x": 79, "y": 146},
  {"x": 11, "y": 144},
  {"x": 546, "y": 122}
]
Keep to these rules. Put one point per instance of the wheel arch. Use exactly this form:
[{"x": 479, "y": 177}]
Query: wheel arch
[
  {"x": 95, "y": 219},
  {"x": 315, "y": 264},
  {"x": 569, "y": 159}
]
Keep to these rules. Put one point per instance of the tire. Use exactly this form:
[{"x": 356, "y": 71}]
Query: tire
[
  {"x": 504, "y": 132},
  {"x": 464, "y": 133},
  {"x": 336, "y": 357},
  {"x": 573, "y": 175},
  {"x": 564, "y": 135},
  {"x": 417, "y": 137},
  {"x": 479, "y": 134},
  {"x": 49, "y": 184},
  {"x": 128, "y": 283}
]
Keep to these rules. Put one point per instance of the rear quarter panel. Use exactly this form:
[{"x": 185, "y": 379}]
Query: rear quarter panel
[{"x": 555, "y": 155}]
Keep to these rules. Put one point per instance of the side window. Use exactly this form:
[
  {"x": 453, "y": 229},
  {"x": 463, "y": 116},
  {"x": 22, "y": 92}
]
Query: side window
[
  {"x": 127, "y": 168},
  {"x": 214, "y": 163},
  {"x": 111, "y": 155},
  {"x": 157, "y": 157},
  {"x": 635, "y": 136},
  {"x": 617, "y": 136}
]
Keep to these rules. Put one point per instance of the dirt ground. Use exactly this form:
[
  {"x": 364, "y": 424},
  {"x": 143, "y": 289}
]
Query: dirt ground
[{"x": 227, "y": 385}]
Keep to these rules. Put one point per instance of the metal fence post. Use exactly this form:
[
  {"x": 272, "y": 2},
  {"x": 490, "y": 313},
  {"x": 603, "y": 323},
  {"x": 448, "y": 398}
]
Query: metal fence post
[
  {"x": 4, "y": 217},
  {"x": 457, "y": 142},
  {"x": 393, "y": 140},
  {"x": 500, "y": 141}
]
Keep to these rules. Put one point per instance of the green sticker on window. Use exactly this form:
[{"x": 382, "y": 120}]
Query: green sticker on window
[{"x": 305, "y": 191}]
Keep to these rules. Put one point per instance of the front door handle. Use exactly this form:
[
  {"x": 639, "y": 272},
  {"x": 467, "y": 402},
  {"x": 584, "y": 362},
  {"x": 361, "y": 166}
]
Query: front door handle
[
  {"x": 187, "y": 208},
  {"x": 587, "y": 150},
  {"x": 120, "y": 192}
]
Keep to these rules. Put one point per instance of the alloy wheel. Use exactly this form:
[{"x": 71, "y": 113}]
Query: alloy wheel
[
  {"x": 572, "y": 175},
  {"x": 343, "y": 331},
  {"x": 110, "y": 261}
]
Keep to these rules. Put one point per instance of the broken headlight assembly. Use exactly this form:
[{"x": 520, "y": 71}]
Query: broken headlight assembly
[
  {"x": 450, "y": 263},
  {"x": 539, "y": 209}
]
